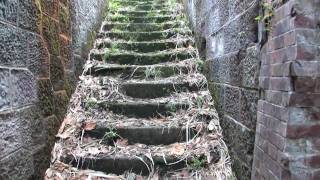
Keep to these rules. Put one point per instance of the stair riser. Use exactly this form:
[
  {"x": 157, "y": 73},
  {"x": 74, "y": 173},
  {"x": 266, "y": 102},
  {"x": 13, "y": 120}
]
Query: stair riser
[
  {"x": 134, "y": 3},
  {"x": 140, "y": 27},
  {"x": 122, "y": 19},
  {"x": 147, "y": 7},
  {"x": 143, "y": 13},
  {"x": 147, "y": 135},
  {"x": 140, "y": 36},
  {"x": 137, "y": 73},
  {"x": 156, "y": 90},
  {"x": 147, "y": 60},
  {"x": 144, "y": 47},
  {"x": 144, "y": 110},
  {"x": 120, "y": 165}
]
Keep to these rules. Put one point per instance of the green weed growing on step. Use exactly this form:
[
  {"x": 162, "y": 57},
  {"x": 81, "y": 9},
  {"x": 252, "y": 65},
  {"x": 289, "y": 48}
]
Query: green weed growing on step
[
  {"x": 90, "y": 103},
  {"x": 110, "y": 136},
  {"x": 200, "y": 101},
  {"x": 198, "y": 163},
  {"x": 199, "y": 65},
  {"x": 114, "y": 5},
  {"x": 171, "y": 107}
]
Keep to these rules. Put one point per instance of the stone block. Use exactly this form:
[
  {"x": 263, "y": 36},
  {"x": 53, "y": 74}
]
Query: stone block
[
  {"x": 57, "y": 74},
  {"x": 225, "y": 69},
  {"x": 9, "y": 10},
  {"x": 5, "y": 101},
  {"x": 41, "y": 161},
  {"x": 18, "y": 165},
  {"x": 16, "y": 130},
  {"x": 307, "y": 36},
  {"x": 232, "y": 102},
  {"x": 239, "y": 6},
  {"x": 303, "y": 115},
  {"x": 28, "y": 15},
  {"x": 64, "y": 19},
  {"x": 19, "y": 48},
  {"x": 38, "y": 60},
  {"x": 50, "y": 7},
  {"x": 216, "y": 17},
  {"x": 61, "y": 101},
  {"x": 46, "y": 98},
  {"x": 250, "y": 68},
  {"x": 305, "y": 68},
  {"x": 70, "y": 83},
  {"x": 23, "y": 88},
  {"x": 217, "y": 92},
  {"x": 13, "y": 45},
  {"x": 304, "y": 100},
  {"x": 50, "y": 30},
  {"x": 242, "y": 171},
  {"x": 248, "y": 108},
  {"x": 51, "y": 125},
  {"x": 239, "y": 33},
  {"x": 239, "y": 139}
]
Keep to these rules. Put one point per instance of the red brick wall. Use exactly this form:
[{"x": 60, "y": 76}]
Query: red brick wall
[{"x": 287, "y": 144}]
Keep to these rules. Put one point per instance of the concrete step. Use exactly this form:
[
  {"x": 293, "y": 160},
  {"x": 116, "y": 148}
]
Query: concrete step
[
  {"x": 111, "y": 26},
  {"x": 123, "y": 3},
  {"x": 144, "y": 36},
  {"x": 133, "y": 58},
  {"x": 139, "y": 109},
  {"x": 148, "y": 19},
  {"x": 139, "y": 159},
  {"x": 142, "y": 72},
  {"x": 151, "y": 135},
  {"x": 162, "y": 88},
  {"x": 145, "y": 6},
  {"x": 143, "y": 46},
  {"x": 142, "y": 13}
]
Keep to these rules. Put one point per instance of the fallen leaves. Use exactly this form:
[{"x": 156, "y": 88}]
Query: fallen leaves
[
  {"x": 177, "y": 149},
  {"x": 67, "y": 128},
  {"x": 89, "y": 125}
]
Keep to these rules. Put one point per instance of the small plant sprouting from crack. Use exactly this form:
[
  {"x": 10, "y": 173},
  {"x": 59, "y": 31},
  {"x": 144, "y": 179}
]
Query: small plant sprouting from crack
[
  {"x": 110, "y": 137},
  {"x": 171, "y": 107},
  {"x": 90, "y": 103},
  {"x": 198, "y": 163},
  {"x": 268, "y": 13},
  {"x": 199, "y": 65}
]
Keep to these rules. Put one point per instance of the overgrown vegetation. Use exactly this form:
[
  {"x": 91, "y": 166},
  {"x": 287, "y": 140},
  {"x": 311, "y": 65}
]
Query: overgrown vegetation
[{"x": 268, "y": 13}]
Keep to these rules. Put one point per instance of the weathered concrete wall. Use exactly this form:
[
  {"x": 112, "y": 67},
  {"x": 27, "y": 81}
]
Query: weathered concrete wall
[
  {"x": 42, "y": 49},
  {"x": 226, "y": 34},
  {"x": 287, "y": 141}
]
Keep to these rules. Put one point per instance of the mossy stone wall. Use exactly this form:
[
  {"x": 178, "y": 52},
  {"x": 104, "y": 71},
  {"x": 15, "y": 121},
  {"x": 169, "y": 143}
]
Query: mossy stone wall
[{"x": 43, "y": 46}]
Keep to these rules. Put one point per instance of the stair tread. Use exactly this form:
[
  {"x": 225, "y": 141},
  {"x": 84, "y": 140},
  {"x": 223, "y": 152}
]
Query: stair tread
[
  {"x": 66, "y": 171},
  {"x": 123, "y": 51},
  {"x": 145, "y": 109}
]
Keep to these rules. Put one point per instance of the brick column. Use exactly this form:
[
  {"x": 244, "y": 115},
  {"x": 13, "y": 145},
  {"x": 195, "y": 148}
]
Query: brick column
[{"x": 287, "y": 144}]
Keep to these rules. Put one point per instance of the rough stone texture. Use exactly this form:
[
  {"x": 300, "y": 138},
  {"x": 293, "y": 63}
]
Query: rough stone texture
[
  {"x": 39, "y": 70},
  {"x": 226, "y": 35},
  {"x": 287, "y": 134}
]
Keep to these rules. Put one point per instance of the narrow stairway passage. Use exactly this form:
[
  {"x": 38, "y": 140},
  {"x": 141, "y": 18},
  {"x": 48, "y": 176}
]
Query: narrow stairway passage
[{"x": 142, "y": 108}]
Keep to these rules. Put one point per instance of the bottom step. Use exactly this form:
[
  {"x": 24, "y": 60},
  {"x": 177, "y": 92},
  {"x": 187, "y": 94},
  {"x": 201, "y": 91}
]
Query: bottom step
[{"x": 61, "y": 170}]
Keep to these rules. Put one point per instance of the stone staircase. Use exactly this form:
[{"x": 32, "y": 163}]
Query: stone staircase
[{"x": 141, "y": 110}]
